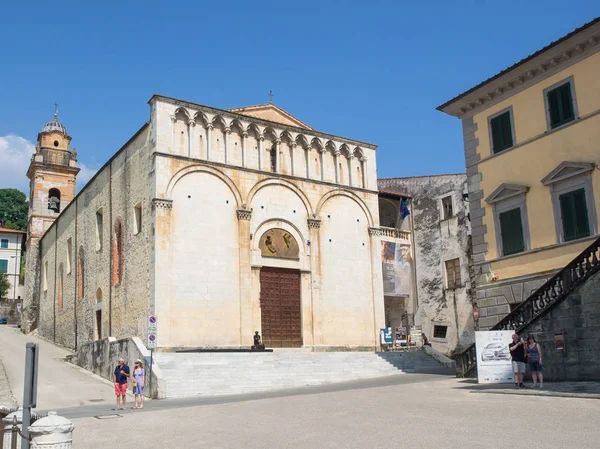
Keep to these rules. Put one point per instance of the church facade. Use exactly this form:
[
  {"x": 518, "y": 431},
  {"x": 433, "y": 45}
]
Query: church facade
[{"x": 219, "y": 222}]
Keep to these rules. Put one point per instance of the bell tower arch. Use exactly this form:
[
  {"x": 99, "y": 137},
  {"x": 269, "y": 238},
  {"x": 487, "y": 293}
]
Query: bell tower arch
[{"x": 52, "y": 174}]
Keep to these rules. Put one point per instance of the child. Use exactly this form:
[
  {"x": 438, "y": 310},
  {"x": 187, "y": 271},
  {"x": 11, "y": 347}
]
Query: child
[{"x": 139, "y": 383}]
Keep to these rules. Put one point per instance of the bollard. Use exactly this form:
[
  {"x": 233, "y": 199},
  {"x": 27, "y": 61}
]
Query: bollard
[
  {"x": 52, "y": 432},
  {"x": 12, "y": 426}
]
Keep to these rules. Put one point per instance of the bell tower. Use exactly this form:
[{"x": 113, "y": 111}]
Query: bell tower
[{"x": 52, "y": 174}]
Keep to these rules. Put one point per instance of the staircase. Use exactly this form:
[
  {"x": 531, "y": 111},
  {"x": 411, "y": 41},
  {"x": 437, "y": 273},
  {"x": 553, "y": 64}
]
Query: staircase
[
  {"x": 542, "y": 301},
  {"x": 213, "y": 374}
]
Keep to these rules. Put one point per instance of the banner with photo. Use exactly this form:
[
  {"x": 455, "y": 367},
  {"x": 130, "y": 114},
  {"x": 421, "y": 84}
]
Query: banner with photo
[
  {"x": 494, "y": 363},
  {"x": 397, "y": 273}
]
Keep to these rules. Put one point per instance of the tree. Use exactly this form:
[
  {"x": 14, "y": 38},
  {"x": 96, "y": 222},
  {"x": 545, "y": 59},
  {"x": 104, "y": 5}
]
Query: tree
[
  {"x": 4, "y": 284},
  {"x": 14, "y": 209}
]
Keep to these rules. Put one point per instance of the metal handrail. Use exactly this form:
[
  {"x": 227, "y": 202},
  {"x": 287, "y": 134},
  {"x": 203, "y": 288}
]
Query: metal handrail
[{"x": 540, "y": 302}]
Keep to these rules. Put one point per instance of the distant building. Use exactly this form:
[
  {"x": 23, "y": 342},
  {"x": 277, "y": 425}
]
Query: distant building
[
  {"x": 11, "y": 250},
  {"x": 443, "y": 302},
  {"x": 531, "y": 136}
]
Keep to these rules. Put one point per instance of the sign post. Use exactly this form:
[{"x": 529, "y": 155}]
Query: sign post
[
  {"x": 32, "y": 352},
  {"x": 152, "y": 343},
  {"x": 559, "y": 345}
]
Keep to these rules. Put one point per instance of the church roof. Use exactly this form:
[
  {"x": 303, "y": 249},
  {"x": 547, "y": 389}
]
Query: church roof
[
  {"x": 55, "y": 125},
  {"x": 270, "y": 111}
]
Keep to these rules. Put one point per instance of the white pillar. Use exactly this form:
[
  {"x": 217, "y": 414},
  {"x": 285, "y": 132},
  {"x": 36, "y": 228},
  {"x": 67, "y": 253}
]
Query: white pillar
[
  {"x": 208, "y": 130},
  {"x": 308, "y": 162},
  {"x": 293, "y": 155},
  {"x": 226, "y": 138},
  {"x": 52, "y": 432},
  {"x": 244, "y": 137},
  {"x": 191, "y": 124},
  {"x": 337, "y": 167},
  {"x": 350, "y": 170},
  {"x": 322, "y": 163},
  {"x": 261, "y": 139},
  {"x": 277, "y": 143}
]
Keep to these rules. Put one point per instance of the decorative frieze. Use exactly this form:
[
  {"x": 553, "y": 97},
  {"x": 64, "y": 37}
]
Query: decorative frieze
[
  {"x": 314, "y": 223},
  {"x": 162, "y": 203},
  {"x": 375, "y": 231},
  {"x": 244, "y": 214}
]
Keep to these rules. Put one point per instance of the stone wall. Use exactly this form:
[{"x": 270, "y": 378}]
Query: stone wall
[
  {"x": 494, "y": 300},
  {"x": 438, "y": 239},
  {"x": 578, "y": 317},
  {"x": 10, "y": 311}
]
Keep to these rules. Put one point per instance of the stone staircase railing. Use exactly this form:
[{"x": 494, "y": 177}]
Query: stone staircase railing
[{"x": 540, "y": 302}]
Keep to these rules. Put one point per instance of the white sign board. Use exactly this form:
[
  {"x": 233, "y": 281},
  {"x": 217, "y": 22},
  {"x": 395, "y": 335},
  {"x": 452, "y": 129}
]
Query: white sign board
[
  {"x": 152, "y": 331},
  {"x": 494, "y": 363}
]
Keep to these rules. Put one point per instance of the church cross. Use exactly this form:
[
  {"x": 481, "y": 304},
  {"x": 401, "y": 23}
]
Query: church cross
[
  {"x": 271, "y": 96},
  {"x": 55, "y": 110}
]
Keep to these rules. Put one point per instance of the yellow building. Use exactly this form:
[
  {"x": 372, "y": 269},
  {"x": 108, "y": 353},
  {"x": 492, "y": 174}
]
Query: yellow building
[{"x": 532, "y": 152}]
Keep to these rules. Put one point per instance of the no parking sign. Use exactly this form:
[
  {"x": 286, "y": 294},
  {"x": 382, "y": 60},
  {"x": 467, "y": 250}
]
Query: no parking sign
[{"x": 152, "y": 331}]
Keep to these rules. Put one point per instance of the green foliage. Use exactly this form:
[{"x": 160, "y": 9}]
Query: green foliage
[
  {"x": 14, "y": 209},
  {"x": 4, "y": 284}
]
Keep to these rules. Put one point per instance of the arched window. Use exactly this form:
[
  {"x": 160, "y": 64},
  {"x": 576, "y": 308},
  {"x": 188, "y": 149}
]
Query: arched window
[
  {"x": 59, "y": 287},
  {"x": 117, "y": 253},
  {"x": 54, "y": 200},
  {"x": 273, "y": 154},
  {"x": 98, "y": 296},
  {"x": 80, "y": 274}
]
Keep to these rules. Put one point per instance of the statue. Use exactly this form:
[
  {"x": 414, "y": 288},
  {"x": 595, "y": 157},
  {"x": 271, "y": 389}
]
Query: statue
[{"x": 258, "y": 346}]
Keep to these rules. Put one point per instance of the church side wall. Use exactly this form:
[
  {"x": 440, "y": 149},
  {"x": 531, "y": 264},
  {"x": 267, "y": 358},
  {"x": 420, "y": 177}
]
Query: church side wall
[{"x": 101, "y": 309}]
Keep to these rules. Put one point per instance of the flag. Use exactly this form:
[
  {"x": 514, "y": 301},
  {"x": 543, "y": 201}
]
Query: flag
[{"x": 404, "y": 210}]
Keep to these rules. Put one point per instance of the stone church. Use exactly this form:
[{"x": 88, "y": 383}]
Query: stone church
[{"x": 219, "y": 222}]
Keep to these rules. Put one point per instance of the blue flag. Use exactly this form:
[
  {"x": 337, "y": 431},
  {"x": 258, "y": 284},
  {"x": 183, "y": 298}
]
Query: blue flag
[{"x": 404, "y": 210}]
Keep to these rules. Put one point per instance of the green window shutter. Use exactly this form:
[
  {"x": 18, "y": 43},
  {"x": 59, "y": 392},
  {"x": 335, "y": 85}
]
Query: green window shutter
[
  {"x": 553, "y": 108},
  {"x": 511, "y": 229},
  {"x": 566, "y": 102},
  {"x": 582, "y": 223},
  {"x": 4, "y": 243},
  {"x": 3, "y": 266},
  {"x": 567, "y": 216},
  {"x": 574, "y": 215},
  {"x": 560, "y": 105},
  {"x": 501, "y": 132}
]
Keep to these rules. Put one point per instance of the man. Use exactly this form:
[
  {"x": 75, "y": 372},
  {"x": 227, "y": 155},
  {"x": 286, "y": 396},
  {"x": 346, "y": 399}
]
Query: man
[
  {"x": 517, "y": 352},
  {"x": 120, "y": 378}
]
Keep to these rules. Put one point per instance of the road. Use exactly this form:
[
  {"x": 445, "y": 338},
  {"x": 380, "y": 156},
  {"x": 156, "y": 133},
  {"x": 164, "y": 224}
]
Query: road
[{"x": 60, "y": 384}]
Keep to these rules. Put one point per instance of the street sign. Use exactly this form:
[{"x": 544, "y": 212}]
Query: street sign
[
  {"x": 152, "y": 323},
  {"x": 152, "y": 341}
]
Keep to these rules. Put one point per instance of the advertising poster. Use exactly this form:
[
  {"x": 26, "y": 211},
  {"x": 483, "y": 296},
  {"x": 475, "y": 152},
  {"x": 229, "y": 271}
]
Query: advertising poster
[
  {"x": 494, "y": 364},
  {"x": 386, "y": 335},
  {"x": 397, "y": 273},
  {"x": 401, "y": 336}
]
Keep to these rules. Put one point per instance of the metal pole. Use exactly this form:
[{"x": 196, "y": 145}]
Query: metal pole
[
  {"x": 564, "y": 364},
  {"x": 150, "y": 380},
  {"x": 29, "y": 389}
]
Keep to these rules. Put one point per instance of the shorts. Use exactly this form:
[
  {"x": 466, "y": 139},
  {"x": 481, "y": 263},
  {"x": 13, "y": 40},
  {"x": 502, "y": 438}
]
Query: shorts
[
  {"x": 518, "y": 367},
  {"x": 120, "y": 389},
  {"x": 535, "y": 367}
]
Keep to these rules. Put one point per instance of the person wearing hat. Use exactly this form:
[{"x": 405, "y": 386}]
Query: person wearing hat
[{"x": 139, "y": 383}]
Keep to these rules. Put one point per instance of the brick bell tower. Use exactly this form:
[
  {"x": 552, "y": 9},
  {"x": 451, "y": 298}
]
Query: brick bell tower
[{"x": 52, "y": 174}]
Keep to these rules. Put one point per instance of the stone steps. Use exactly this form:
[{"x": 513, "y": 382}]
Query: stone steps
[{"x": 211, "y": 374}]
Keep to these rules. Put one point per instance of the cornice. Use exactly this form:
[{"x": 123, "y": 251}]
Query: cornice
[
  {"x": 314, "y": 223},
  {"x": 162, "y": 203},
  {"x": 549, "y": 62},
  {"x": 243, "y": 214}
]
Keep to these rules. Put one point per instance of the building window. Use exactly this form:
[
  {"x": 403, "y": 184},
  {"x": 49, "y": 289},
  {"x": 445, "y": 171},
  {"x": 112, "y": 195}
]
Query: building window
[
  {"x": 137, "y": 214},
  {"x": 3, "y": 243},
  {"x": 440, "y": 331},
  {"x": 511, "y": 231},
  {"x": 447, "y": 211},
  {"x": 98, "y": 324},
  {"x": 453, "y": 279},
  {"x": 572, "y": 200},
  {"x": 59, "y": 287},
  {"x": 560, "y": 104},
  {"x": 117, "y": 254},
  {"x": 501, "y": 131},
  {"x": 273, "y": 154},
  {"x": 99, "y": 217},
  {"x": 45, "y": 277},
  {"x": 510, "y": 218},
  {"x": 54, "y": 200},
  {"x": 69, "y": 252},
  {"x": 3, "y": 266},
  {"x": 574, "y": 215},
  {"x": 80, "y": 274}
]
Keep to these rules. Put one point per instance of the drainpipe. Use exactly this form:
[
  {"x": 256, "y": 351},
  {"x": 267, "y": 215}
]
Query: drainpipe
[
  {"x": 110, "y": 249},
  {"x": 76, "y": 260}
]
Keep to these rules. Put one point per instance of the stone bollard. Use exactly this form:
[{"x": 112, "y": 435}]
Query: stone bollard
[
  {"x": 52, "y": 432},
  {"x": 8, "y": 425}
]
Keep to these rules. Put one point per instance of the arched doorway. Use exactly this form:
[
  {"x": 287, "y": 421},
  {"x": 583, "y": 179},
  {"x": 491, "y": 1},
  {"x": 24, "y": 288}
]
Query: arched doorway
[{"x": 280, "y": 307}]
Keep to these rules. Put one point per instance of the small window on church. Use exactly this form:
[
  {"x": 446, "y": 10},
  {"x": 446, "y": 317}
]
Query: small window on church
[
  {"x": 56, "y": 143},
  {"x": 138, "y": 218},
  {"x": 69, "y": 252},
  {"x": 54, "y": 200},
  {"x": 273, "y": 154},
  {"x": 99, "y": 227}
]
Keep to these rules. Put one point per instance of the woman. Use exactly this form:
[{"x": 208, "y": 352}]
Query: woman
[
  {"x": 139, "y": 383},
  {"x": 534, "y": 358}
]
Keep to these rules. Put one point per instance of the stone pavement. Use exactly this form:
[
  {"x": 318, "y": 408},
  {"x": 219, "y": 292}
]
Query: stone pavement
[
  {"x": 437, "y": 412},
  {"x": 6, "y": 396},
  {"x": 584, "y": 390}
]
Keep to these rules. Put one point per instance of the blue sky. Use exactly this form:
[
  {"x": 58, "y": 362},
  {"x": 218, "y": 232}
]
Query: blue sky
[{"x": 372, "y": 71}]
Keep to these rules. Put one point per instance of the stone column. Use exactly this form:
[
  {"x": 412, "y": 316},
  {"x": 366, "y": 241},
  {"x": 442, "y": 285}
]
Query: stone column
[
  {"x": 244, "y": 143},
  {"x": 173, "y": 120},
  {"x": 337, "y": 167},
  {"x": 209, "y": 128},
  {"x": 191, "y": 124},
  {"x": 245, "y": 256},
  {"x": 377, "y": 282},
  {"x": 350, "y": 170},
  {"x": 226, "y": 139},
  {"x": 261, "y": 139},
  {"x": 314, "y": 225},
  {"x": 307, "y": 157},
  {"x": 277, "y": 143},
  {"x": 363, "y": 172},
  {"x": 293, "y": 154},
  {"x": 52, "y": 432}
]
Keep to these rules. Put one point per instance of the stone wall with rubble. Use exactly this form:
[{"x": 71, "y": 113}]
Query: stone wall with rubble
[
  {"x": 436, "y": 241},
  {"x": 78, "y": 301}
]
